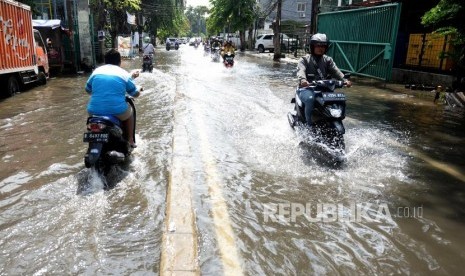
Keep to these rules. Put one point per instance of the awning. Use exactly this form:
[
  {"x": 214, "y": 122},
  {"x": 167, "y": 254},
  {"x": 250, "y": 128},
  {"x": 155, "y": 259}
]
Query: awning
[{"x": 53, "y": 23}]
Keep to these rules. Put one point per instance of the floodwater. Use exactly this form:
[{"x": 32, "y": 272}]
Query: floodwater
[{"x": 395, "y": 206}]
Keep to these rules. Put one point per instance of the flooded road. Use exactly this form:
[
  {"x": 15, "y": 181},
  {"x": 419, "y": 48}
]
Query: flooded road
[{"x": 395, "y": 207}]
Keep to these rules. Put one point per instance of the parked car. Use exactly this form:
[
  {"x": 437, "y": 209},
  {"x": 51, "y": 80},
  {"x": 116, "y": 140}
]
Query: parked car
[{"x": 265, "y": 42}]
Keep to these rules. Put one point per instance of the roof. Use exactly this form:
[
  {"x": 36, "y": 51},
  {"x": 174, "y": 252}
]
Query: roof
[{"x": 53, "y": 23}]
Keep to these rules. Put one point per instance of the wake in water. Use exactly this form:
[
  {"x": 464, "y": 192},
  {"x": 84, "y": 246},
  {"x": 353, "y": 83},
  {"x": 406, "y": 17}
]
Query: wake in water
[{"x": 311, "y": 144}]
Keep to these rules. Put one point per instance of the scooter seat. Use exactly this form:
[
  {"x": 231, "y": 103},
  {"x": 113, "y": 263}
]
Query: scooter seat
[{"x": 104, "y": 118}]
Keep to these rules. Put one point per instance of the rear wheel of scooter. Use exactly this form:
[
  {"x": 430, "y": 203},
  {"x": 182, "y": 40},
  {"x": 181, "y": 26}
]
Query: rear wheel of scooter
[
  {"x": 292, "y": 120},
  {"x": 102, "y": 168}
]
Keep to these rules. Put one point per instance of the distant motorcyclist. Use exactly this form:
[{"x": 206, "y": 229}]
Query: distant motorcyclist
[
  {"x": 227, "y": 48},
  {"x": 216, "y": 43},
  {"x": 147, "y": 56},
  {"x": 206, "y": 45},
  {"x": 319, "y": 65},
  {"x": 149, "y": 49}
]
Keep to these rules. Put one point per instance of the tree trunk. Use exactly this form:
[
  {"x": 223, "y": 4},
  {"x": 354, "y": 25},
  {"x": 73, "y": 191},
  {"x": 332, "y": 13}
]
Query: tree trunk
[
  {"x": 250, "y": 39},
  {"x": 277, "y": 32},
  {"x": 114, "y": 39},
  {"x": 242, "y": 39}
]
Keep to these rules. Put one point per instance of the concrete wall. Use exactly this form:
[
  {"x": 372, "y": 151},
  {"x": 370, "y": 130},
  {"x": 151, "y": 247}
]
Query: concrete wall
[
  {"x": 84, "y": 32},
  {"x": 416, "y": 77}
]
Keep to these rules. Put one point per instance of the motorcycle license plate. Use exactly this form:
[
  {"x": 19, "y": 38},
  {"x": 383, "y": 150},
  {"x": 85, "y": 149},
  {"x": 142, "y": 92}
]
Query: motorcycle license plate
[
  {"x": 334, "y": 96},
  {"x": 96, "y": 137}
]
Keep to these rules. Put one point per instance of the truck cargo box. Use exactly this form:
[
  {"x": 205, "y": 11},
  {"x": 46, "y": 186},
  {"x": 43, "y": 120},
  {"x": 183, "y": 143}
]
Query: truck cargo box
[
  {"x": 17, "y": 38},
  {"x": 23, "y": 55}
]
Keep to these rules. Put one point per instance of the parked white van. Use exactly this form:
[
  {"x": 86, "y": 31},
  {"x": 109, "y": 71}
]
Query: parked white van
[{"x": 265, "y": 42}]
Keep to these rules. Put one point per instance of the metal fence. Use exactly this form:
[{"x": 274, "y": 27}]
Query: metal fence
[{"x": 363, "y": 40}]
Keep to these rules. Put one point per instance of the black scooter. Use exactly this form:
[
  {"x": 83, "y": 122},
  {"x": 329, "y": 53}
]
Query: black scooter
[
  {"x": 328, "y": 114},
  {"x": 215, "y": 54},
  {"x": 147, "y": 63},
  {"x": 107, "y": 143},
  {"x": 228, "y": 59}
]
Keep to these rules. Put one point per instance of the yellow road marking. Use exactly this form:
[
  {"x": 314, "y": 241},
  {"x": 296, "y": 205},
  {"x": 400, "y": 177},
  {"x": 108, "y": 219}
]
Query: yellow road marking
[{"x": 223, "y": 229}]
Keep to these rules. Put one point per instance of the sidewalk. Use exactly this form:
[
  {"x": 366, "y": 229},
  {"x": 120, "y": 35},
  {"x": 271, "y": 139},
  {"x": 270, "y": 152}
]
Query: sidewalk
[{"x": 289, "y": 57}]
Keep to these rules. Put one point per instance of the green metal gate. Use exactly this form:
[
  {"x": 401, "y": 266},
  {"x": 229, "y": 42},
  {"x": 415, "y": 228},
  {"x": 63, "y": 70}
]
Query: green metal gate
[{"x": 363, "y": 40}]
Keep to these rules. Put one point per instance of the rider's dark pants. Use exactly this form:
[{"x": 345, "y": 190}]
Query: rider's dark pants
[{"x": 307, "y": 96}]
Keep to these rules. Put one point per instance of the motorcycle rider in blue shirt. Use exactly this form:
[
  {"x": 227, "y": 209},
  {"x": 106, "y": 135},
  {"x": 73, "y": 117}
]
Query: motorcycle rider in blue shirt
[{"x": 107, "y": 86}]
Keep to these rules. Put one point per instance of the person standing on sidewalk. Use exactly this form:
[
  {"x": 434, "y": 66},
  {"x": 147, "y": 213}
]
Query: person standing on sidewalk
[{"x": 321, "y": 66}]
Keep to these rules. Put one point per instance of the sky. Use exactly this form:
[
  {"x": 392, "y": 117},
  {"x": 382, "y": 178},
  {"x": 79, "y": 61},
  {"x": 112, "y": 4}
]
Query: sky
[{"x": 197, "y": 3}]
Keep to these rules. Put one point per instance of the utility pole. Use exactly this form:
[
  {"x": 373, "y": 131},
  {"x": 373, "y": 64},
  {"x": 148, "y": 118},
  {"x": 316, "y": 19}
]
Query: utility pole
[
  {"x": 315, "y": 11},
  {"x": 277, "y": 32}
]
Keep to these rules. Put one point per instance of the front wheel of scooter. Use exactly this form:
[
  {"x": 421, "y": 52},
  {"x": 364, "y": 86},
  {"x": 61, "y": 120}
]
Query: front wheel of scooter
[{"x": 337, "y": 142}]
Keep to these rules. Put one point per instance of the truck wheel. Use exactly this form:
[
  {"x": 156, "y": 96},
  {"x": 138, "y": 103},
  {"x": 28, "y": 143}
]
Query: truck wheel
[
  {"x": 261, "y": 49},
  {"x": 13, "y": 86},
  {"x": 42, "y": 78}
]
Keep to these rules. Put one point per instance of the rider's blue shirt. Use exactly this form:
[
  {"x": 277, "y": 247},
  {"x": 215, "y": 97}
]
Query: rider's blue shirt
[{"x": 107, "y": 87}]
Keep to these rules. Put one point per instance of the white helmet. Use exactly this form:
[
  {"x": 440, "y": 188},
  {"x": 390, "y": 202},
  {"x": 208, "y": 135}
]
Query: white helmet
[{"x": 318, "y": 38}]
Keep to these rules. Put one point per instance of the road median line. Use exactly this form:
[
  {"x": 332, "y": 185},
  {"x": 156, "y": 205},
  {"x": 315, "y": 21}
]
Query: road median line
[
  {"x": 179, "y": 244},
  {"x": 224, "y": 233}
]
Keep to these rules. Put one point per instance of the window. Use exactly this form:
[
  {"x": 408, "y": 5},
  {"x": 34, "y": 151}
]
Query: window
[{"x": 300, "y": 7}]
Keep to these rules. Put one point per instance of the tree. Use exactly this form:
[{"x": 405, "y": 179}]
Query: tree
[
  {"x": 233, "y": 15},
  {"x": 446, "y": 19},
  {"x": 31, "y": 4},
  {"x": 163, "y": 17},
  {"x": 113, "y": 14},
  {"x": 196, "y": 18}
]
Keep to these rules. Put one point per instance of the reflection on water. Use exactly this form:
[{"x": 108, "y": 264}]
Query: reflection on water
[
  {"x": 262, "y": 164},
  {"x": 394, "y": 207},
  {"x": 55, "y": 213}
]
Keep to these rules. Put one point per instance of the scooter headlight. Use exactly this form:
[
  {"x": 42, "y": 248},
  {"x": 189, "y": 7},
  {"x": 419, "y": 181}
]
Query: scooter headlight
[{"x": 335, "y": 112}]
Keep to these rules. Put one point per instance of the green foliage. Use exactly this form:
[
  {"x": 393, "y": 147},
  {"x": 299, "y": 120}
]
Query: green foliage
[
  {"x": 163, "y": 17},
  {"x": 31, "y": 3},
  {"x": 196, "y": 19},
  {"x": 111, "y": 15},
  {"x": 446, "y": 19},
  {"x": 235, "y": 15}
]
